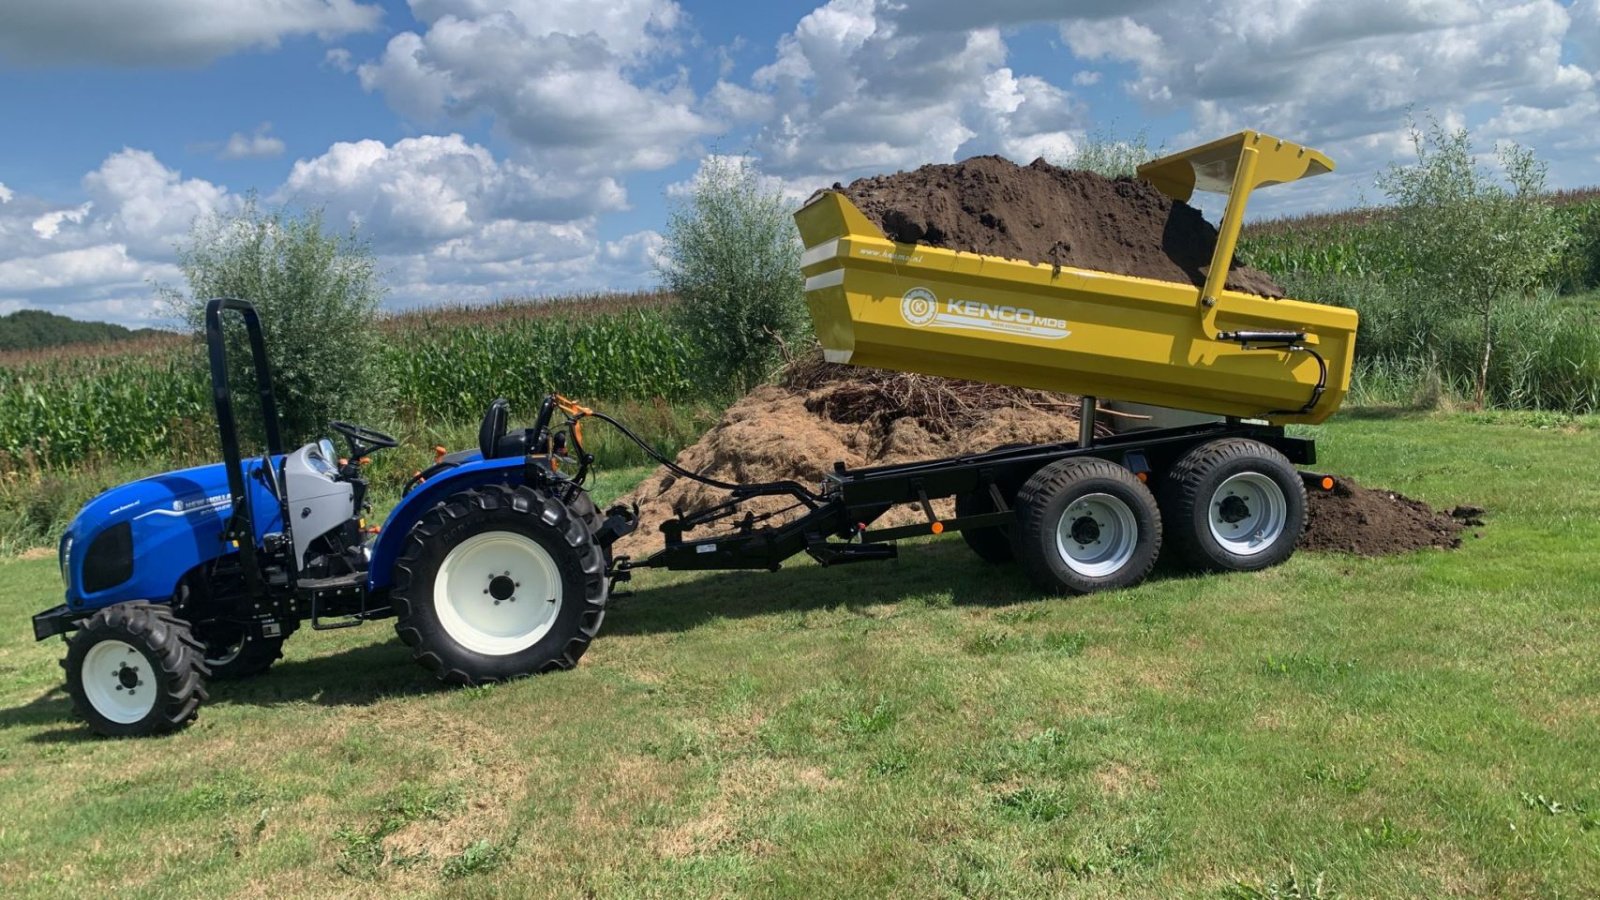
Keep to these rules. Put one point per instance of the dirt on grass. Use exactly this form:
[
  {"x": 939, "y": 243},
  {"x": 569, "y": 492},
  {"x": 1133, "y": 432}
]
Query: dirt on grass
[
  {"x": 1367, "y": 522},
  {"x": 1042, "y": 213},
  {"x": 820, "y": 414}
]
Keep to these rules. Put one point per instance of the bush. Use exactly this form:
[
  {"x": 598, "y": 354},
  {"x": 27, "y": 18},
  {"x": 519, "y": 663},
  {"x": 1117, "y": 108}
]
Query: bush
[
  {"x": 317, "y": 294},
  {"x": 1471, "y": 242},
  {"x": 1547, "y": 352},
  {"x": 733, "y": 260},
  {"x": 1104, "y": 154}
]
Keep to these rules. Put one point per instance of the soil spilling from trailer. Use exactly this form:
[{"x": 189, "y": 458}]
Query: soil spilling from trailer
[
  {"x": 1366, "y": 522},
  {"x": 820, "y": 414},
  {"x": 1046, "y": 214}
]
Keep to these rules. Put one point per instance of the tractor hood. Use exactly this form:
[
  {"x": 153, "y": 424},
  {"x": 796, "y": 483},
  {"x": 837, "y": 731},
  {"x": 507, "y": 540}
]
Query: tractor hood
[{"x": 135, "y": 541}]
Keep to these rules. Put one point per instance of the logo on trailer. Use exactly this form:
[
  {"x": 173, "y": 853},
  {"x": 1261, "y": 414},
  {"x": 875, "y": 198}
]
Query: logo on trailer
[{"x": 920, "y": 307}]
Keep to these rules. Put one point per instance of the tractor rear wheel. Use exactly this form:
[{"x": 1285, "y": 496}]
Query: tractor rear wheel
[
  {"x": 1233, "y": 505},
  {"x": 232, "y": 653},
  {"x": 497, "y": 583},
  {"x": 1086, "y": 524},
  {"x": 134, "y": 669}
]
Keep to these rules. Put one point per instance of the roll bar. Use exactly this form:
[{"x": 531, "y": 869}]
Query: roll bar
[{"x": 241, "y": 524}]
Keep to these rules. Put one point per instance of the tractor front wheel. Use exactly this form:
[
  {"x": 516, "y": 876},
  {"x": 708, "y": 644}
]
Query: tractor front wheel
[
  {"x": 134, "y": 669},
  {"x": 497, "y": 583}
]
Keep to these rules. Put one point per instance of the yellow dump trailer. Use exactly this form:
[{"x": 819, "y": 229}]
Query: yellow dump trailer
[{"x": 916, "y": 308}]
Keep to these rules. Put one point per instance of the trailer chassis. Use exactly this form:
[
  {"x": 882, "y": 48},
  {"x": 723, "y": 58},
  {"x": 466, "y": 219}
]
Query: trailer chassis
[{"x": 836, "y": 526}]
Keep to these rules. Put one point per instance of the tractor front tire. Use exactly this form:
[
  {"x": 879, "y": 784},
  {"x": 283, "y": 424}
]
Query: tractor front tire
[
  {"x": 135, "y": 670},
  {"x": 497, "y": 583}
]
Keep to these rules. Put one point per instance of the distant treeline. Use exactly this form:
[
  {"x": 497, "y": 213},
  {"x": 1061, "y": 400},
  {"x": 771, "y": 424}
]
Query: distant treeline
[{"x": 35, "y": 329}]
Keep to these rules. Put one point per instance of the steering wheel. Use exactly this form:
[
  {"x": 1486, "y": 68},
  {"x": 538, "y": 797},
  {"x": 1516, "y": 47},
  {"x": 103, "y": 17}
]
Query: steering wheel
[{"x": 363, "y": 440}]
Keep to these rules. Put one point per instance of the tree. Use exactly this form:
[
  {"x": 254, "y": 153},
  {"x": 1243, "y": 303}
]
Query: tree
[
  {"x": 732, "y": 257},
  {"x": 317, "y": 294},
  {"x": 1472, "y": 241}
]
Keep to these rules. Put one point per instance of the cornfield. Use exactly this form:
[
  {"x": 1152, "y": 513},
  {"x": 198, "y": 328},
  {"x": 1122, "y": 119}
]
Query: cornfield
[{"x": 152, "y": 399}]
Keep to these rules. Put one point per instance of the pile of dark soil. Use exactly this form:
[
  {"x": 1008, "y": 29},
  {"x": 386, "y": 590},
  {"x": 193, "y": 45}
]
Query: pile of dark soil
[
  {"x": 1045, "y": 214},
  {"x": 1366, "y": 522}
]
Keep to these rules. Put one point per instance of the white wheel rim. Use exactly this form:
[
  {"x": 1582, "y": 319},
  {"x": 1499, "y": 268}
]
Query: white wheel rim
[
  {"x": 1248, "y": 513},
  {"x": 1096, "y": 535},
  {"x": 497, "y": 593},
  {"x": 118, "y": 681}
]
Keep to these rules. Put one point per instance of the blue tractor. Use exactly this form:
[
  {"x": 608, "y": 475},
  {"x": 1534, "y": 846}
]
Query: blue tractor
[{"x": 494, "y": 564}]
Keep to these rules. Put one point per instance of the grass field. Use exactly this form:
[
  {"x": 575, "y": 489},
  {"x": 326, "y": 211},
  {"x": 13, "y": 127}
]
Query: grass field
[{"x": 1417, "y": 726}]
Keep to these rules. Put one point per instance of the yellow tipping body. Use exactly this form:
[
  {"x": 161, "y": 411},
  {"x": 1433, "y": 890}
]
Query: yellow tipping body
[{"x": 923, "y": 309}]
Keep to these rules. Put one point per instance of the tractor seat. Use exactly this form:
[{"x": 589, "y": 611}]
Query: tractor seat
[{"x": 493, "y": 440}]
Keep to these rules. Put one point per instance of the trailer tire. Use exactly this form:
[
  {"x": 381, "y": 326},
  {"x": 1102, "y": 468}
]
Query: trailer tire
[
  {"x": 134, "y": 670},
  {"x": 1233, "y": 505},
  {"x": 992, "y": 543},
  {"x": 1086, "y": 524},
  {"x": 468, "y": 636}
]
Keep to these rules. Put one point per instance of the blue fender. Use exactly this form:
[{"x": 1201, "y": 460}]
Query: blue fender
[{"x": 473, "y": 473}]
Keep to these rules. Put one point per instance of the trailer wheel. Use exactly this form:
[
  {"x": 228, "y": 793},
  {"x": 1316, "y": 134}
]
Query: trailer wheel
[
  {"x": 1086, "y": 525},
  {"x": 1233, "y": 505},
  {"x": 992, "y": 543},
  {"x": 498, "y": 583},
  {"x": 134, "y": 670}
]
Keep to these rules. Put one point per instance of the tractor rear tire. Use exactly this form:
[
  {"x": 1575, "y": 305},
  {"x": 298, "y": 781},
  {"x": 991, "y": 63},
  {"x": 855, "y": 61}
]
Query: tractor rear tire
[
  {"x": 1086, "y": 524},
  {"x": 497, "y": 583},
  {"x": 231, "y": 653},
  {"x": 1233, "y": 505},
  {"x": 135, "y": 670}
]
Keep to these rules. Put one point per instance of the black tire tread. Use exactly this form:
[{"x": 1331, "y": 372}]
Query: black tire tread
[
  {"x": 1185, "y": 480},
  {"x": 1032, "y": 500},
  {"x": 178, "y": 655},
  {"x": 524, "y": 500}
]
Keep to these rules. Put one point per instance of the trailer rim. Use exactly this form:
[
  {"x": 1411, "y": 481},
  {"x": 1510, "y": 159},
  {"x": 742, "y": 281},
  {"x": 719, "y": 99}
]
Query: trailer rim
[
  {"x": 497, "y": 593},
  {"x": 1247, "y": 513},
  {"x": 1097, "y": 535}
]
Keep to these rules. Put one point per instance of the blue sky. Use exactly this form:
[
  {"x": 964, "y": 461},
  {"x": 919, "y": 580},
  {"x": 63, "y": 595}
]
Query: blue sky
[{"x": 514, "y": 147}]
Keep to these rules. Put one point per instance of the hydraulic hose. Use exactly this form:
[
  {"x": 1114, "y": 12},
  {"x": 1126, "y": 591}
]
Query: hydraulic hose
[{"x": 792, "y": 488}]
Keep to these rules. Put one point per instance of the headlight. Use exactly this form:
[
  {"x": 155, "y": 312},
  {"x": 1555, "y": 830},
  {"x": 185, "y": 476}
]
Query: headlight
[{"x": 65, "y": 557}]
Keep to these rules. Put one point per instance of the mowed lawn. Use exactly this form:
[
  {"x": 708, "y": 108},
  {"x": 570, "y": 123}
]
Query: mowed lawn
[{"x": 1427, "y": 725}]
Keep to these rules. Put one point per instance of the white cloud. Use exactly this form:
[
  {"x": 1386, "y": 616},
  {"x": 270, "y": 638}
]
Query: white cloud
[
  {"x": 70, "y": 268},
  {"x": 5, "y": 193},
  {"x": 148, "y": 206},
  {"x": 859, "y": 87},
  {"x": 1086, "y": 78},
  {"x": 1341, "y": 76},
  {"x": 49, "y": 224},
  {"x": 259, "y": 144},
  {"x": 573, "y": 83},
  {"x": 436, "y": 188},
  {"x": 447, "y": 219},
  {"x": 168, "y": 32}
]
